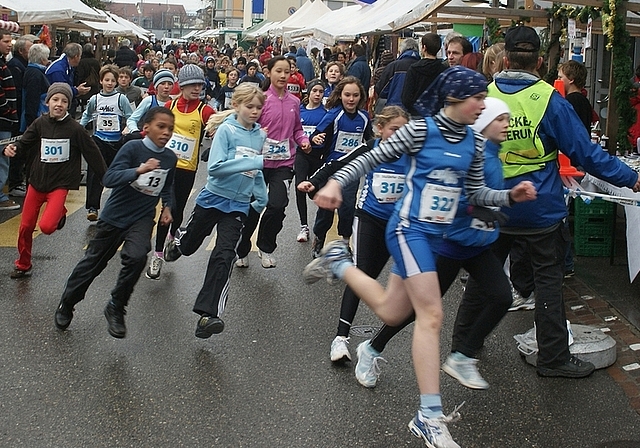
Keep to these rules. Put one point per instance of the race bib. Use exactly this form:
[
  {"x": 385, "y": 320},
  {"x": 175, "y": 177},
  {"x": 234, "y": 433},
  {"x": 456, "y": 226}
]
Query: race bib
[
  {"x": 151, "y": 183},
  {"x": 348, "y": 141},
  {"x": 387, "y": 187},
  {"x": 182, "y": 146},
  {"x": 308, "y": 130},
  {"x": 227, "y": 102},
  {"x": 293, "y": 88},
  {"x": 108, "y": 123},
  {"x": 244, "y": 151},
  {"x": 276, "y": 150},
  {"x": 439, "y": 204},
  {"x": 54, "y": 150}
]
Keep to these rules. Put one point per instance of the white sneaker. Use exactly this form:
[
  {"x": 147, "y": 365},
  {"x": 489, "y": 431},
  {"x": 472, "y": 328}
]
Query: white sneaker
[
  {"x": 367, "y": 368},
  {"x": 268, "y": 261},
  {"x": 19, "y": 191},
  {"x": 242, "y": 262},
  {"x": 303, "y": 236},
  {"x": 433, "y": 431},
  {"x": 522, "y": 303},
  {"x": 465, "y": 371},
  {"x": 340, "y": 349},
  {"x": 153, "y": 272}
]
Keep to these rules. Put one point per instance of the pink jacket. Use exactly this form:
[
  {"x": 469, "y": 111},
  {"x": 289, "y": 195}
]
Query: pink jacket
[{"x": 281, "y": 118}]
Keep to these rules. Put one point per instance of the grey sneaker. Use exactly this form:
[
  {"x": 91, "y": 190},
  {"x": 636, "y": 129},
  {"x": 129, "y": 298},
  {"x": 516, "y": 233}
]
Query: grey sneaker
[
  {"x": 267, "y": 259},
  {"x": 340, "y": 349},
  {"x": 367, "y": 368},
  {"x": 522, "y": 303},
  {"x": 333, "y": 252},
  {"x": 465, "y": 371},
  {"x": 19, "y": 191},
  {"x": 316, "y": 247},
  {"x": 153, "y": 271},
  {"x": 171, "y": 251}
]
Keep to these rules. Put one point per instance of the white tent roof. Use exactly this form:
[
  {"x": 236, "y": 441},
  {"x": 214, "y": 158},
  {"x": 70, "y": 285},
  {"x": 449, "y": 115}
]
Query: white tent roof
[
  {"x": 58, "y": 11},
  {"x": 262, "y": 29},
  {"x": 347, "y": 23},
  {"x": 308, "y": 13}
]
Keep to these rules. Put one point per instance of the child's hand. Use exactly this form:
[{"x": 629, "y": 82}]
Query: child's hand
[
  {"x": 10, "y": 150},
  {"x": 330, "y": 196},
  {"x": 306, "y": 186},
  {"x": 149, "y": 165},
  {"x": 306, "y": 147},
  {"x": 166, "y": 217},
  {"x": 319, "y": 139},
  {"x": 83, "y": 88},
  {"x": 524, "y": 191}
]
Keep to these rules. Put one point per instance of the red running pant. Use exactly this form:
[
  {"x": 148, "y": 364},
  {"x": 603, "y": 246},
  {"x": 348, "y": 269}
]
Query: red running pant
[{"x": 53, "y": 212}]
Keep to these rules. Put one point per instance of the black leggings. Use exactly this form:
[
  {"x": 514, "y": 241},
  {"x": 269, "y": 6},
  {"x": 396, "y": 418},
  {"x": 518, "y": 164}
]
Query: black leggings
[
  {"x": 182, "y": 185},
  {"x": 476, "y": 318},
  {"x": 305, "y": 166},
  {"x": 370, "y": 254}
]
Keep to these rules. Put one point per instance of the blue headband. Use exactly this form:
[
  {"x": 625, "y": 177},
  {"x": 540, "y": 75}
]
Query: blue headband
[{"x": 456, "y": 82}]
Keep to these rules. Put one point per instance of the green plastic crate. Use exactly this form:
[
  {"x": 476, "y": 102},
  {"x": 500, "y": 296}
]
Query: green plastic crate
[{"x": 593, "y": 227}]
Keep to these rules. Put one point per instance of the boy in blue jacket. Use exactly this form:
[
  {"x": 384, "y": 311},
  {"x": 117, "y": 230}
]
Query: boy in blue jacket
[
  {"x": 141, "y": 173},
  {"x": 235, "y": 177}
]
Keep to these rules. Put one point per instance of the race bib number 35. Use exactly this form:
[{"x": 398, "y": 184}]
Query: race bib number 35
[
  {"x": 439, "y": 204},
  {"x": 108, "y": 123},
  {"x": 54, "y": 150}
]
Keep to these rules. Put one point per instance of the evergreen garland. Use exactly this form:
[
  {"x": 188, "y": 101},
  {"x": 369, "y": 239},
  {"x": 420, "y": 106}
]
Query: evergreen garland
[{"x": 618, "y": 41}]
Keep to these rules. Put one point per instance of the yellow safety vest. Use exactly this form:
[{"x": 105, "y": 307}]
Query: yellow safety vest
[{"x": 523, "y": 152}]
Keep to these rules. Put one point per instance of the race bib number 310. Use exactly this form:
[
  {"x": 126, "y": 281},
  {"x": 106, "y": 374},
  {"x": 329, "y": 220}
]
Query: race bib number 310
[
  {"x": 182, "y": 146},
  {"x": 439, "y": 204}
]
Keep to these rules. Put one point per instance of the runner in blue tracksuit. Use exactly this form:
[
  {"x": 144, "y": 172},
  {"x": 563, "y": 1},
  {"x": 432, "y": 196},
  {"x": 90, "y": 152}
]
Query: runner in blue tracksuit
[{"x": 345, "y": 127}]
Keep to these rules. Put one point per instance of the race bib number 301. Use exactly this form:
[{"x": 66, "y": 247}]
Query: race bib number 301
[
  {"x": 54, "y": 150},
  {"x": 439, "y": 204}
]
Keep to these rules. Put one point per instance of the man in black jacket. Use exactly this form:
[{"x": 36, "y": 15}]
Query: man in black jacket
[
  {"x": 125, "y": 56},
  {"x": 422, "y": 73}
]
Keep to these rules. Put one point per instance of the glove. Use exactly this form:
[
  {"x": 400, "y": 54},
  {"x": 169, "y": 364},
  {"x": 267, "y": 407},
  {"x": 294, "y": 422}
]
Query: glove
[{"x": 487, "y": 215}]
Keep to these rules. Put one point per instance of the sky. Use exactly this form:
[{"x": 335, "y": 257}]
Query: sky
[{"x": 189, "y": 5}]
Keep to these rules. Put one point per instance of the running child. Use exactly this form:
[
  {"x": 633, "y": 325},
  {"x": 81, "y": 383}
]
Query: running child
[
  {"x": 133, "y": 93},
  {"x": 345, "y": 127},
  {"x": 251, "y": 77},
  {"x": 191, "y": 115},
  {"x": 163, "y": 81},
  {"x": 54, "y": 145},
  {"x": 281, "y": 118},
  {"x": 234, "y": 186},
  {"x": 295, "y": 84},
  {"x": 382, "y": 189},
  {"x": 226, "y": 92},
  {"x": 141, "y": 173},
  {"x": 307, "y": 162},
  {"x": 436, "y": 183},
  {"x": 334, "y": 72},
  {"x": 108, "y": 110}
]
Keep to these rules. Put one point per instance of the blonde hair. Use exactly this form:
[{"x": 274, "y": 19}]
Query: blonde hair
[
  {"x": 493, "y": 55},
  {"x": 388, "y": 114},
  {"x": 243, "y": 94}
]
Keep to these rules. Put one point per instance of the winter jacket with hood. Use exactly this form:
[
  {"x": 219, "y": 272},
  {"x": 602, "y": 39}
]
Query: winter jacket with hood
[{"x": 305, "y": 66}]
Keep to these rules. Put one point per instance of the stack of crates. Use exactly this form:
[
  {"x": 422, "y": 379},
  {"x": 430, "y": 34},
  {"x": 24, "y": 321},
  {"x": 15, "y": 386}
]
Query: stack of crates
[{"x": 593, "y": 227}]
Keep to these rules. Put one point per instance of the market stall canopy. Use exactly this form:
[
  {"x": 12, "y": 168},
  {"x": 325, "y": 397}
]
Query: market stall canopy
[
  {"x": 37, "y": 12},
  {"x": 259, "y": 29},
  {"x": 349, "y": 22},
  {"x": 114, "y": 26},
  {"x": 308, "y": 13}
]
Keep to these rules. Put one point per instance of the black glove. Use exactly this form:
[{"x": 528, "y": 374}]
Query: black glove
[{"x": 487, "y": 215}]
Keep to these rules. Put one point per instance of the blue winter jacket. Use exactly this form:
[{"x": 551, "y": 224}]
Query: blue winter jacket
[
  {"x": 305, "y": 66},
  {"x": 556, "y": 131},
  {"x": 391, "y": 81}
]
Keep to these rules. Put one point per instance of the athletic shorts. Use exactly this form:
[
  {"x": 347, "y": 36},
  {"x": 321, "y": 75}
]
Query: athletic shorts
[{"x": 412, "y": 249}]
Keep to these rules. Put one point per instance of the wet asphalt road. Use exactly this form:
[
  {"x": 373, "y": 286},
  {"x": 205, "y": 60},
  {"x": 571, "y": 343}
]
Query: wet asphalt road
[{"x": 266, "y": 381}]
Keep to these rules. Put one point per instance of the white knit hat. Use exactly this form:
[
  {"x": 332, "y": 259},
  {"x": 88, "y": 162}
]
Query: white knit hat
[{"x": 493, "y": 108}]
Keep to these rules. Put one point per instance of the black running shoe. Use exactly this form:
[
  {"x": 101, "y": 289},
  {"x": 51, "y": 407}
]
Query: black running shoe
[
  {"x": 115, "y": 319},
  {"x": 208, "y": 325},
  {"x": 573, "y": 368},
  {"x": 63, "y": 316}
]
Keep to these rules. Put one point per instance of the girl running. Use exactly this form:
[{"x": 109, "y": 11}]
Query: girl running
[
  {"x": 281, "y": 118},
  {"x": 439, "y": 179},
  {"x": 311, "y": 114},
  {"x": 345, "y": 127},
  {"x": 226, "y": 92},
  {"x": 234, "y": 186},
  {"x": 334, "y": 72},
  {"x": 383, "y": 187}
]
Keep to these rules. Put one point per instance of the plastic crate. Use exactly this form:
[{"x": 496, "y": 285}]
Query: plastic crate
[{"x": 593, "y": 228}]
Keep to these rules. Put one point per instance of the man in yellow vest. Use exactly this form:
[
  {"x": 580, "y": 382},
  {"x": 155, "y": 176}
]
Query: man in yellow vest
[{"x": 542, "y": 123}]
